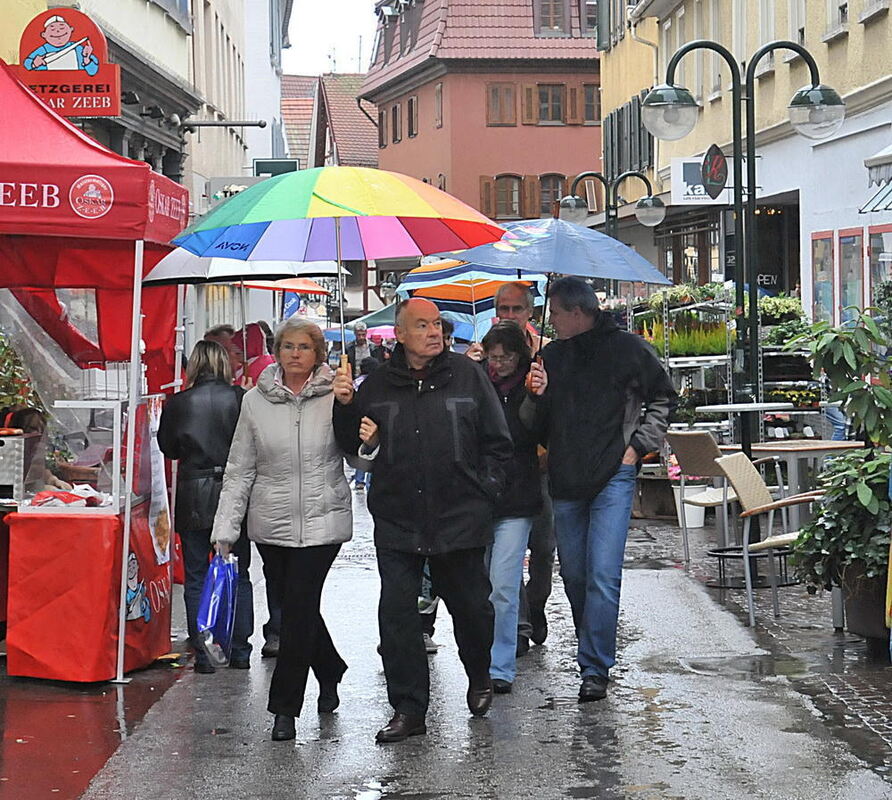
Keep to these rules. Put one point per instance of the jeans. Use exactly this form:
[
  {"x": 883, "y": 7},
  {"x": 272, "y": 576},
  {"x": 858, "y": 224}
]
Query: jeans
[
  {"x": 591, "y": 541},
  {"x": 304, "y": 640},
  {"x": 361, "y": 478},
  {"x": 196, "y": 549},
  {"x": 505, "y": 561},
  {"x": 462, "y": 582},
  {"x": 838, "y": 420}
]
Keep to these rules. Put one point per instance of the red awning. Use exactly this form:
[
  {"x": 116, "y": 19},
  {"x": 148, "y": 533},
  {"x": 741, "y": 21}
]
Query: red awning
[
  {"x": 70, "y": 212},
  {"x": 57, "y": 181}
]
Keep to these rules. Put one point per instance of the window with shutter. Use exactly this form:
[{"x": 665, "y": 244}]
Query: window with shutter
[
  {"x": 592, "y": 103},
  {"x": 412, "y": 120},
  {"x": 575, "y": 104},
  {"x": 551, "y": 17},
  {"x": 551, "y": 190},
  {"x": 438, "y": 105},
  {"x": 552, "y": 102},
  {"x": 603, "y": 31},
  {"x": 396, "y": 123},
  {"x": 382, "y": 128},
  {"x": 588, "y": 17},
  {"x": 507, "y": 196},
  {"x": 635, "y": 134}
]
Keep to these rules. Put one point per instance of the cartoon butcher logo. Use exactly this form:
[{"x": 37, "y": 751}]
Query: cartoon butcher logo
[{"x": 60, "y": 52}]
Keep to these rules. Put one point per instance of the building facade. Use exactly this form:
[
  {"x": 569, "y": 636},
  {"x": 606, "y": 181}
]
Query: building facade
[
  {"x": 495, "y": 102},
  {"x": 811, "y": 234}
]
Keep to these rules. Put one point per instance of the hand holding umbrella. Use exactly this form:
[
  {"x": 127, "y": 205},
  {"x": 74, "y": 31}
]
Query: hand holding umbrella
[
  {"x": 343, "y": 383},
  {"x": 537, "y": 378}
]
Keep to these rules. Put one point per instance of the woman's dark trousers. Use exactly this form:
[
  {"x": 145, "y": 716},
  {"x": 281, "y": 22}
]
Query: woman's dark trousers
[{"x": 304, "y": 641}]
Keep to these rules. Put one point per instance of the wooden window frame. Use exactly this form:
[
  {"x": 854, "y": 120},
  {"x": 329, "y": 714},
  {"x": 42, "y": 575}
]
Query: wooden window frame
[
  {"x": 496, "y": 189},
  {"x": 501, "y": 119},
  {"x": 561, "y": 180},
  {"x": 562, "y": 90},
  {"x": 538, "y": 21},
  {"x": 584, "y": 29},
  {"x": 412, "y": 116},
  {"x": 596, "y": 105}
]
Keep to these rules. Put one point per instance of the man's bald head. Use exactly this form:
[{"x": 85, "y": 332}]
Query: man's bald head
[{"x": 418, "y": 329}]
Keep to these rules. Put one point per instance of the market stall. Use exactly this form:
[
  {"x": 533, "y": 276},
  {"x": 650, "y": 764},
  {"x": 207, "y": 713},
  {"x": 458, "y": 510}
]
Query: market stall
[{"x": 75, "y": 216}]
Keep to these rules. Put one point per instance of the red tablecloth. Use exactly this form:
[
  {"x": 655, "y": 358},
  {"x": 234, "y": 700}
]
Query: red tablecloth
[{"x": 64, "y": 584}]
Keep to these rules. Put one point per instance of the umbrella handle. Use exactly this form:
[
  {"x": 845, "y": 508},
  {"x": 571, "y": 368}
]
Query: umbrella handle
[{"x": 345, "y": 363}]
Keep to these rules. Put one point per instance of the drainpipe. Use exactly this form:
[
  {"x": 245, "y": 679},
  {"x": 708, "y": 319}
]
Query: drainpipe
[{"x": 633, "y": 19}]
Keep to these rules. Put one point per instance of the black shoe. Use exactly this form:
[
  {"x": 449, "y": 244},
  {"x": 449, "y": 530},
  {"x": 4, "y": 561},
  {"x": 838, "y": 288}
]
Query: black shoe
[
  {"x": 523, "y": 646},
  {"x": 239, "y": 663},
  {"x": 480, "y": 698},
  {"x": 328, "y": 697},
  {"x": 539, "y": 625},
  {"x": 501, "y": 687},
  {"x": 401, "y": 727},
  {"x": 204, "y": 668},
  {"x": 270, "y": 647},
  {"x": 592, "y": 688},
  {"x": 283, "y": 728}
]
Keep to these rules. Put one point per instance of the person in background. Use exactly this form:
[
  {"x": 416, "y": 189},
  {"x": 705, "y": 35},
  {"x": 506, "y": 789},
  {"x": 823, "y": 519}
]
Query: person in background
[
  {"x": 267, "y": 334},
  {"x": 196, "y": 429},
  {"x": 362, "y": 348},
  {"x": 507, "y": 361},
  {"x": 223, "y": 335},
  {"x": 448, "y": 335},
  {"x": 286, "y": 471},
  {"x": 257, "y": 357},
  {"x": 443, "y": 444},
  {"x": 607, "y": 404}
]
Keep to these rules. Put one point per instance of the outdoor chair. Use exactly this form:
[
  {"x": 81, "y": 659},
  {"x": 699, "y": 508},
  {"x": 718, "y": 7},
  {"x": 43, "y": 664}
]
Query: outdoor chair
[
  {"x": 697, "y": 452},
  {"x": 755, "y": 500}
]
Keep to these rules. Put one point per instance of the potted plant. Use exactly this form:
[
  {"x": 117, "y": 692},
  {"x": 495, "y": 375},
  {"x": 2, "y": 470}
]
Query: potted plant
[
  {"x": 695, "y": 516},
  {"x": 848, "y": 541}
]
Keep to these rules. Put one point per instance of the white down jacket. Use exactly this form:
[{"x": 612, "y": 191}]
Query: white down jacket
[{"x": 286, "y": 468}]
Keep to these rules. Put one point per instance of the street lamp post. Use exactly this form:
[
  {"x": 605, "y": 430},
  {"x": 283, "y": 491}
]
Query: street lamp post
[
  {"x": 649, "y": 210},
  {"x": 670, "y": 112}
]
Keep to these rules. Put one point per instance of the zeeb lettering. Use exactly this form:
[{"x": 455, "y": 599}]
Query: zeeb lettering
[{"x": 29, "y": 195}]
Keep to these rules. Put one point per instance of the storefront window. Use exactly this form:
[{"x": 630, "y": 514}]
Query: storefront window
[
  {"x": 880, "y": 257},
  {"x": 822, "y": 279},
  {"x": 851, "y": 275}
]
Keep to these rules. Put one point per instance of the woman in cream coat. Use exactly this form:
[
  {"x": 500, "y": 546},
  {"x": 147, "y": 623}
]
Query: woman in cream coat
[{"x": 286, "y": 470}]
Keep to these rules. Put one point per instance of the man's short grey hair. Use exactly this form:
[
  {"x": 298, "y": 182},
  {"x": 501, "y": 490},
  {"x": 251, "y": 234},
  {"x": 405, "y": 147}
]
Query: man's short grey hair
[
  {"x": 523, "y": 288},
  {"x": 572, "y": 292},
  {"x": 360, "y": 326}
]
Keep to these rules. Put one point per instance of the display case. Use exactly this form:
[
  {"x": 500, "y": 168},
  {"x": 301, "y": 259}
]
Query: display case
[{"x": 91, "y": 441}]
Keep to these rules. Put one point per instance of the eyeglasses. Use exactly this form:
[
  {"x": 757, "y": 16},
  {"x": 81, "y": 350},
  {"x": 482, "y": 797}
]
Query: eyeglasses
[
  {"x": 502, "y": 359},
  {"x": 510, "y": 309},
  {"x": 301, "y": 348}
]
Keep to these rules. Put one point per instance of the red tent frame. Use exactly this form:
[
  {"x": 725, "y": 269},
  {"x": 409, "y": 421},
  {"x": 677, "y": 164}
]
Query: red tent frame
[{"x": 73, "y": 214}]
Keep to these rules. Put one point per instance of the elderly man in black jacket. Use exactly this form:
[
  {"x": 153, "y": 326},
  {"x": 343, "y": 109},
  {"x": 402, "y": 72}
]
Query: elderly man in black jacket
[
  {"x": 607, "y": 403},
  {"x": 442, "y": 445}
]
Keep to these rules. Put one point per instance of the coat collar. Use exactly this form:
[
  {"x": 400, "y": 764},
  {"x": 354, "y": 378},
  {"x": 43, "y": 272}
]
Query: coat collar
[{"x": 271, "y": 386}]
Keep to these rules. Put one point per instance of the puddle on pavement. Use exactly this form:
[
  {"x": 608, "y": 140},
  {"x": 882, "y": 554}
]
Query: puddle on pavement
[
  {"x": 651, "y": 563},
  {"x": 379, "y": 790},
  {"x": 559, "y": 704},
  {"x": 748, "y": 667}
]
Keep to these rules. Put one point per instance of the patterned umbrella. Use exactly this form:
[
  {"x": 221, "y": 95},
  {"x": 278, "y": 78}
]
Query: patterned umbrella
[{"x": 465, "y": 292}]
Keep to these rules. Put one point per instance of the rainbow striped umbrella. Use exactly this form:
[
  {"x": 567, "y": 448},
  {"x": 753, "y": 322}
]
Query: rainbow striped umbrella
[
  {"x": 338, "y": 213},
  {"x": 353, "y": 213}
]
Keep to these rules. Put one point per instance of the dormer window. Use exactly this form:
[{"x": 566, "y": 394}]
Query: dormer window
[{"x": 551, "y": 17}]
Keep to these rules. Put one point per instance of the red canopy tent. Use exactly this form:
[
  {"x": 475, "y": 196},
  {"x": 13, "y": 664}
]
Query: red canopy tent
[{"x": 73, "y": 214}]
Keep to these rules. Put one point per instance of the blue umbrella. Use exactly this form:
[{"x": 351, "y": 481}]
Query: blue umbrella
[{"x": 555, "y": 246}]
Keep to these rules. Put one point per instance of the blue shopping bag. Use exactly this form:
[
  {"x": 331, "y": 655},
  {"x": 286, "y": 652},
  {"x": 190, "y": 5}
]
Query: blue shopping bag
[{"x": 216, "y": 609}]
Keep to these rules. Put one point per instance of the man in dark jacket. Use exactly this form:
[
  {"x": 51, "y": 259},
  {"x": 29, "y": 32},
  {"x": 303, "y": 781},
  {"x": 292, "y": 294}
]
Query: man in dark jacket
[
  {"x": 442, "y": 446},
  {"x": 362, "y": 349},
  {"x": 607, "y": 403}
]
